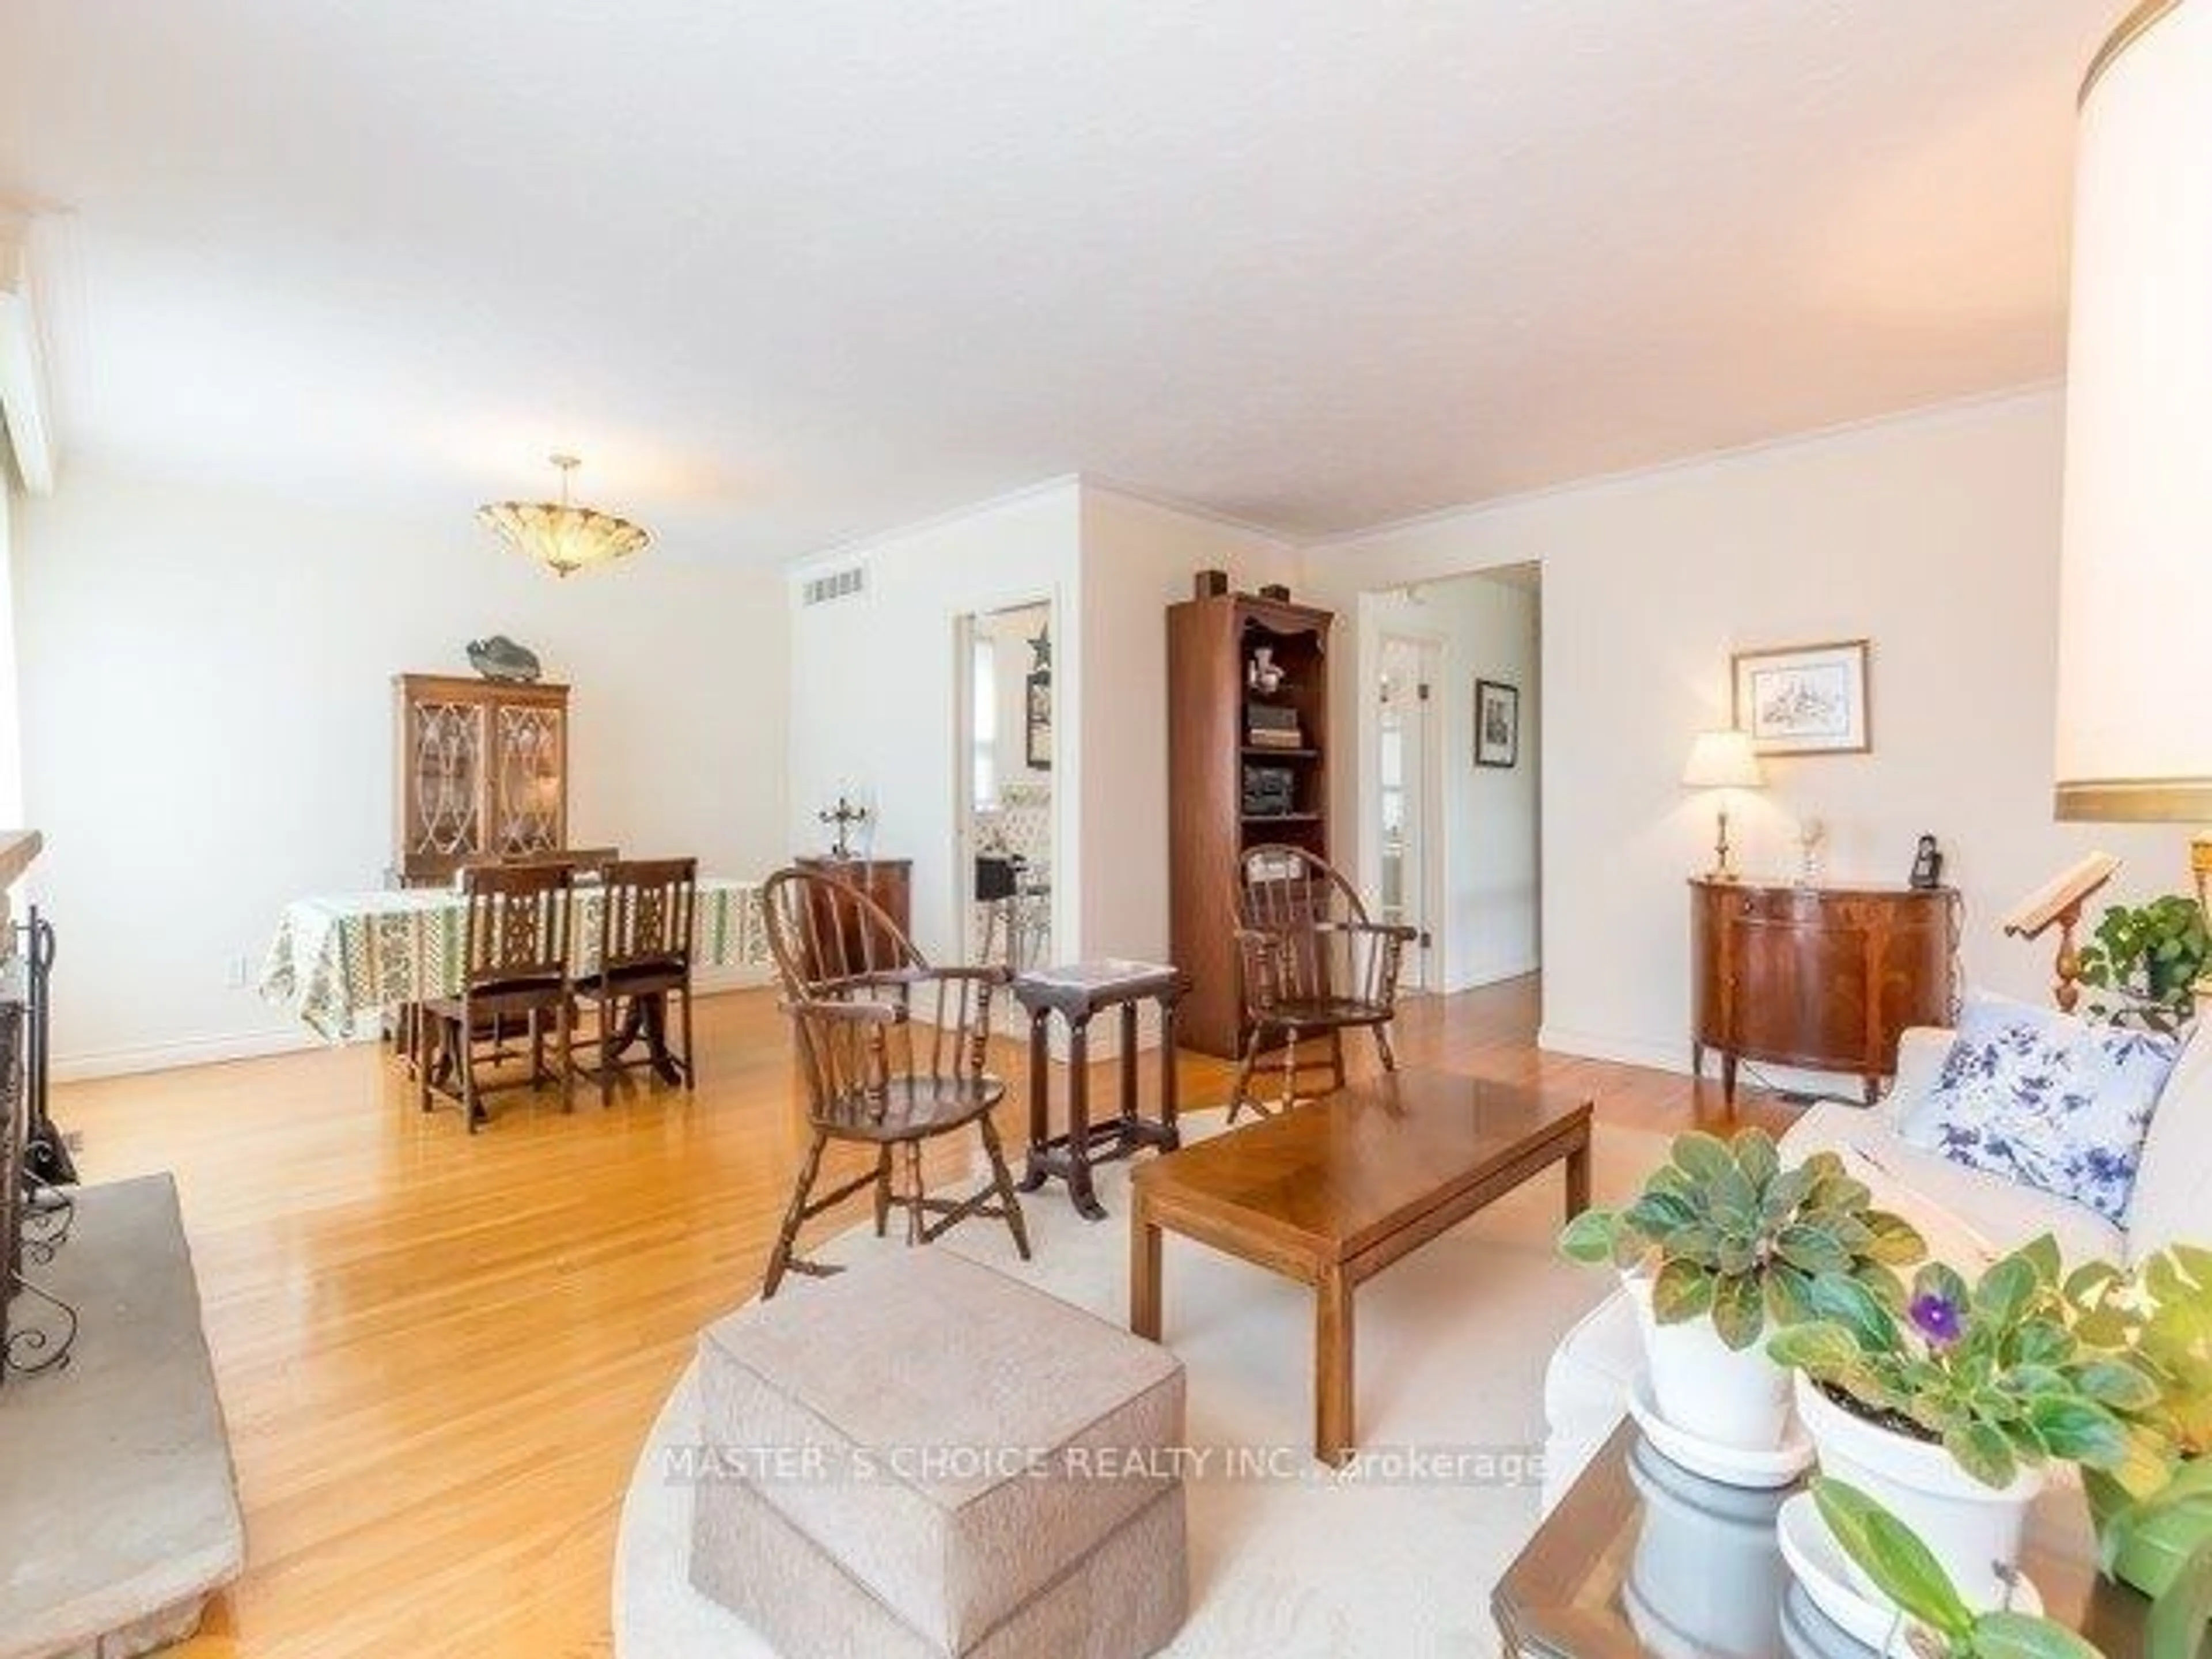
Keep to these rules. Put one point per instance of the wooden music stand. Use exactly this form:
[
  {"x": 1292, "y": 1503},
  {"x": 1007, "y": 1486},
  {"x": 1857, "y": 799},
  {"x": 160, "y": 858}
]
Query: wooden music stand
[{"x": 2059, "y": 902}]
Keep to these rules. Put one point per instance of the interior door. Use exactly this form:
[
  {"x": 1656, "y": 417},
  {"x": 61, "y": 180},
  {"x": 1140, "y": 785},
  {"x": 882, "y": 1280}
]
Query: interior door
[{"x": 1404, "y": 715}]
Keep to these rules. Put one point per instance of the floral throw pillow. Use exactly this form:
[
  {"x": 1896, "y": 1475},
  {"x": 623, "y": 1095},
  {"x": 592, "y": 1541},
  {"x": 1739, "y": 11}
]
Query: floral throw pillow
[{"x": 2046, "y": 1100}]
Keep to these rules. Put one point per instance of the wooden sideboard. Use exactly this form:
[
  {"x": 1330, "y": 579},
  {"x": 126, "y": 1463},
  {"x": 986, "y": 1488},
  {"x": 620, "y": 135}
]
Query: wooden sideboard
[
  {"x": 888, "y": 882},
  {"x": 1825, "y": 978}
]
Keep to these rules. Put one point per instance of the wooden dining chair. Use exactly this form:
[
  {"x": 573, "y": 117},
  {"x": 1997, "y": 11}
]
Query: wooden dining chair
[
  {"x": 647, "y": 907},
  {"x": 892, "y": 1053},
  {"x": 1314, "y": 965},
  {"x": 515, "y": 931}
]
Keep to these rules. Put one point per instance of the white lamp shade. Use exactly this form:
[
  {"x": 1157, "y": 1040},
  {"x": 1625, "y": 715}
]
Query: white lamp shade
[
  {"x": 2135, "y": 710},
  {"x": 1721, "y": 760}
]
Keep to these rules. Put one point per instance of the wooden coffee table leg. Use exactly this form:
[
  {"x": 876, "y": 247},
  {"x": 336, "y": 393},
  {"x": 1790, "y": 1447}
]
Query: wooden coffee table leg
[
  {"x": 1144, "y": 1272},
  {"x": 1578, "y": 1176},
  {"x": 1333, "y": 1369}
]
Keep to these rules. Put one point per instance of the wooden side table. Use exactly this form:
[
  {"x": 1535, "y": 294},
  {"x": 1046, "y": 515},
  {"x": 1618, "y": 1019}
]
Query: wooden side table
[{"x": 1079, "y": 993}]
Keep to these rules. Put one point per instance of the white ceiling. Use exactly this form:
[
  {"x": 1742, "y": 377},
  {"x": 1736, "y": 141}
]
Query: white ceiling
[{"x": 791, "y": 273}]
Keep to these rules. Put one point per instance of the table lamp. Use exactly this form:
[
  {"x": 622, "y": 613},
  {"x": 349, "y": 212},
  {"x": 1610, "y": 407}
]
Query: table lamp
[
  {"x": 2135, "y": 730},
  {"x": 1722, "y": 760}
]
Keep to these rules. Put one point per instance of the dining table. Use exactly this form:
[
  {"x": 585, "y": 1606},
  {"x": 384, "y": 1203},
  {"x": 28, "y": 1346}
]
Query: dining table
[{"x": 340, "y": 961}]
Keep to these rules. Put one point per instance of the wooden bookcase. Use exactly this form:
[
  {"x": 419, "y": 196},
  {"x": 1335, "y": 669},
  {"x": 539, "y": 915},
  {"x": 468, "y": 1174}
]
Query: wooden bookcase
[
  {"x": 1211, "y": 645},
  {"x": 481, "y": 769}
]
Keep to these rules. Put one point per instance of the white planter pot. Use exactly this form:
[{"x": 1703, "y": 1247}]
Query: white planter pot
[
  {"x": 1706, "y": 1389},
  {"x": 1970, "y": 1527}
]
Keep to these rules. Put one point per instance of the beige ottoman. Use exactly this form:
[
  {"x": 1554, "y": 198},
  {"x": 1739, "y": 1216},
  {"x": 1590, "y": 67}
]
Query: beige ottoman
[{"x": 924, "y": 1458}]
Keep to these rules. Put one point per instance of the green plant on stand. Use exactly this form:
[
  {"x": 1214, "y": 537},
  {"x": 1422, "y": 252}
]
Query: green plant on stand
[
  {"x": 2147, "y": 958},
  {"x": 1942, "y": 1626}
]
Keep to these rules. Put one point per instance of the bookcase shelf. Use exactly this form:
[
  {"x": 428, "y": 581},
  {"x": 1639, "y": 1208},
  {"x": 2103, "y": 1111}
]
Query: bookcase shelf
[{"x": 1213, "y": 761}]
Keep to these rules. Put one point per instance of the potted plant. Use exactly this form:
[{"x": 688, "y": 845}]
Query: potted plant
[
  {"x": 1723, "y": 1242},
  {"x": 2148, "y": 957},
  {"x": 1946, "y": 1410},
  {"x": 1890, "y": 1555},
  {"x": 2160, "y": 1315}
]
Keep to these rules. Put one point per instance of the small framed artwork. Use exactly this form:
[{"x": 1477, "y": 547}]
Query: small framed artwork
[
  {"x": 1805, "y": 698},
  {"x": 1496, "y": 723},
  {"x": 1037, "y": 745}
]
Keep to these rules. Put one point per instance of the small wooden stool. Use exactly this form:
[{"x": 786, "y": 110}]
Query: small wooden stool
[{"x": 1079, "y": 993}]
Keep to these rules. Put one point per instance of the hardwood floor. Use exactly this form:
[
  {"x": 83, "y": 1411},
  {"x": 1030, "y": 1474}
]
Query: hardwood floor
[{"x": 439, "y": 1355}]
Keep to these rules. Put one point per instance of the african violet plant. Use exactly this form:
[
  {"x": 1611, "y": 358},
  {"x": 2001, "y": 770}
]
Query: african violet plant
[
  {"x": 1726, "y": 1232},
  {"x": 1907, "y": 1571},
  {"x": 1997, "y": 1373}
]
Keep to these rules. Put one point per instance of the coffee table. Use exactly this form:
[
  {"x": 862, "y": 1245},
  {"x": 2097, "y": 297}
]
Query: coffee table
[
  {"x": 1332, "y": 1192},
  {"x": 1643, "y": 1557}
]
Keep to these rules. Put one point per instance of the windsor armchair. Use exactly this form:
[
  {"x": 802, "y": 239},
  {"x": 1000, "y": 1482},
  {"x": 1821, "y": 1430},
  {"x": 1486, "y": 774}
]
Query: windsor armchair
[
  {"x": 1314, "y": 965},
  {"x": 892, "y": 1051}
]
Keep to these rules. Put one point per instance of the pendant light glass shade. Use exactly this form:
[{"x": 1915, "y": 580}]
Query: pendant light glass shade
[
  {"x": 2135, "y": 711},
  {"x": 565, "y": 537}
]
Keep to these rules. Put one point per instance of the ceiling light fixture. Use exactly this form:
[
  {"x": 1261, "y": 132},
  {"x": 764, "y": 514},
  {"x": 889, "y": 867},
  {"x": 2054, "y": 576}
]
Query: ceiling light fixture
[{"x": 565, "y": 538}]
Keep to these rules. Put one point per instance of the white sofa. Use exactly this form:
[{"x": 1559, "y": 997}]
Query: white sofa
[{"x": 1967, "y": 1217}]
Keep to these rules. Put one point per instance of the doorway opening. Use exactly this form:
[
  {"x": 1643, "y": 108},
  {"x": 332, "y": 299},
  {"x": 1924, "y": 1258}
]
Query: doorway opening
[
  {"x": 1004, "y": 744},
  {"x": 1450, "y": 784},
  {"x": 1408, "y": 821}
]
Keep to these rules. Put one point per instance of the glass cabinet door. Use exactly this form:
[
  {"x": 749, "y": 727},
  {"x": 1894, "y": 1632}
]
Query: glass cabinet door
[
  {"x": 446, "y": 752},
  {"x": 526, "y": 804}
]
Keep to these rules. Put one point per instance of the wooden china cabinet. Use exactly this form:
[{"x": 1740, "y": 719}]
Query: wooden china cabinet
[
  {"x": 482, "y": 771},
  {"x": 1247, "y": 767}
]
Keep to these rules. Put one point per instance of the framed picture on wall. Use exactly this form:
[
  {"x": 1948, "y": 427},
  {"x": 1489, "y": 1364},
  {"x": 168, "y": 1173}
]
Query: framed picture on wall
[
  {"x": 1038, "y": 702},
  {"x": 1804, "y": 699},
  {"x": 1496, "y": 723}
]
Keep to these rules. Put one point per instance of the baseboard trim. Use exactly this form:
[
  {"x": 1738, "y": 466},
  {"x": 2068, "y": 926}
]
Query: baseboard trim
[
  {"x": 294, "y": 1039},
  {"x": 192, "y": 1051},
  {"x": 1625, "y": 1051},
  {"x": 1497, "y": 974}
]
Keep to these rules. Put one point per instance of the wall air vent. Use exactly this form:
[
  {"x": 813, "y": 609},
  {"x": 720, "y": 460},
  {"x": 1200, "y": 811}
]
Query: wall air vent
[{"x": 834, "y": 585}]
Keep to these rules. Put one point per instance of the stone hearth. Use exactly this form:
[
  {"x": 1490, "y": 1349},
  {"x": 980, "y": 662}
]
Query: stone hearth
[{"x": 119, "y": 1513}]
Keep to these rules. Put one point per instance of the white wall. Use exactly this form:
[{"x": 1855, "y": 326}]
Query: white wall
[
  {"x": 208, "y": 727},
  {"x": 1936, "y": 536},
  {"x": 1139, "y": 558},
  {"x": 1487, "y": 919},
  {"x": 874, "y": 678},
  {"x": 875, "y": 708}
]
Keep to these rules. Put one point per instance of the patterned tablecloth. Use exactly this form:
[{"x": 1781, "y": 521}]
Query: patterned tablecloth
[{"x": 338, "y": 961}]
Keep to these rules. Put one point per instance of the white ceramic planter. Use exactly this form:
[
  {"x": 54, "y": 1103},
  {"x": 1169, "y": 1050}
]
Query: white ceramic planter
[
  {"x": 1970, "y": 1527},
  {"x": 1706, "y": 1389}
]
